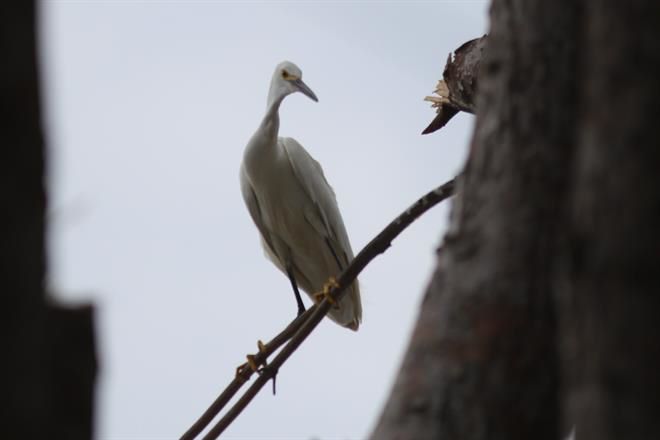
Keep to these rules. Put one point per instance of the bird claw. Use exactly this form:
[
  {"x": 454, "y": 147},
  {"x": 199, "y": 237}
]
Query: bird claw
[
  {"x": 251, "y": 360},
  {"x": 331, "y": 283},
  {"x": 252, "y": 363},
  {"x": 251, "y": 357},
  {"x": 254, "y": 366},
  {"x": 325, "y": 292}
]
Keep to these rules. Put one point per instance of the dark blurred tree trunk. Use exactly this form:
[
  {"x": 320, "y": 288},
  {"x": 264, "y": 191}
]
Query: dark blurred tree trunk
[
  {"x": 609, "y": 279},
  {"x": 48, "y": 355},
  {"x": 549, "y": 273},
  {"x": 23, "y": 206}
]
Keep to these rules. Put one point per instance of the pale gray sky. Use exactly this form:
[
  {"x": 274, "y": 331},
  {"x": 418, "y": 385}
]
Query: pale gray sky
[{"x": 148, "y": 108}]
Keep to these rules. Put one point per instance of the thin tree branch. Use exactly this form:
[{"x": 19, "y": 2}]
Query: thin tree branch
[
  {"x": 243, "y": 374},
  {"x": 375, "y": 247}
]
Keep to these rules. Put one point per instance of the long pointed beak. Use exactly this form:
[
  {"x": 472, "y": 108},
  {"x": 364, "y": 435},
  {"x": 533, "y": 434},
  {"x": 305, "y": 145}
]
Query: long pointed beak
[{"x": 305, "y": 90}]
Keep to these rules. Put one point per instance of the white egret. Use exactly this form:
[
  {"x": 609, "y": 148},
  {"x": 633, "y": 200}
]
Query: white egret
[{"x": 294, "y": 207}]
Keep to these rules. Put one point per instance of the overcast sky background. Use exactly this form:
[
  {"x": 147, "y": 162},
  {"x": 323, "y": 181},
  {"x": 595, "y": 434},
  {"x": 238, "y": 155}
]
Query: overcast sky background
[{"x": 148, "y": 108}]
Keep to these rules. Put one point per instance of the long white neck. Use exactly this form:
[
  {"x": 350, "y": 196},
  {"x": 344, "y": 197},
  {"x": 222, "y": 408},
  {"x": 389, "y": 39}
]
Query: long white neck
[
  {"x": 264, "y": 141},
  {"x": 270, "y": 124}
]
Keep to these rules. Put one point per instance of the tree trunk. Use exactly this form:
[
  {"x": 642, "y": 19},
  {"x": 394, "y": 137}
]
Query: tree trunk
[
  {"x": 482, "y": 362},
  {"x": 609, "y": 282},
  {"x": 23, "y": 205},
  {"x": 48, "y": 356},
  {"x": 555, "y": 221}
]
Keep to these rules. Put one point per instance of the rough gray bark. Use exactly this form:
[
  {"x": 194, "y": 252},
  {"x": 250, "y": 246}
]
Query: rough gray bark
[
  {"x": 556, "y": 220},
  {"x": 609, "y": 285},
  {"x": 482, "y": 362},
  {"x": 48, "y": 357}
]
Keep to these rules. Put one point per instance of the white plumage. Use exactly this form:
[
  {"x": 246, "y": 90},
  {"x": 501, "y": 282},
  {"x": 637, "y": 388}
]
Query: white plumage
[{"x": 294, "y": 207}]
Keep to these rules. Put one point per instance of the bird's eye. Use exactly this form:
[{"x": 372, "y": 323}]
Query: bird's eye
[{"x": 285, "y": 74}]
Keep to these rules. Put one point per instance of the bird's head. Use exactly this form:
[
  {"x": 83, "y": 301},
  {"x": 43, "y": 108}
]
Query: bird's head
[{"x": 287, "y": 79}]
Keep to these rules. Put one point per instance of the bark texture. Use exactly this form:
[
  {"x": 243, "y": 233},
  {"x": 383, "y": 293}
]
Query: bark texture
[
  {"x": 542, "y": 312},
  {"x": 609, "y": 285},
  {"x": 482, "y": 362},
  {"x": 48, "y": 364}
]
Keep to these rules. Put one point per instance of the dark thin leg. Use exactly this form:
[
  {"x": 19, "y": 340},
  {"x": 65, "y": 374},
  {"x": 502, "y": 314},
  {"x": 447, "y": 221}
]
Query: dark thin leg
[{"x": 301, "y": 306}]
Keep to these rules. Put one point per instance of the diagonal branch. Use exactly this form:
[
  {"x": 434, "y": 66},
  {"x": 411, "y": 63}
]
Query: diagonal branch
[
  {"x": 243, "y": 374},
  {"x": 308, "y": 321}
]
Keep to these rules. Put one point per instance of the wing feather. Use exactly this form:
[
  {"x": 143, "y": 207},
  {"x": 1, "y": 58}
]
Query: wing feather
[{"x": 323, "y": 214}]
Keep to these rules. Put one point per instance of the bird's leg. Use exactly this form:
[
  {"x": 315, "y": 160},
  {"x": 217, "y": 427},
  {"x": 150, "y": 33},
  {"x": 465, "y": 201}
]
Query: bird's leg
[
  {"x": 325, "y": 291},
  {"x": 296, "y": 292}
]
